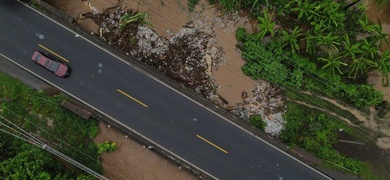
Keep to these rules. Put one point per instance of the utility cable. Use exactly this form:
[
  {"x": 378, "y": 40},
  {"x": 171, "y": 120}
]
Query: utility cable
[
  {"x": 64, "y": 142},
  {"x": 38, "y": 143},
  {"x": 239, "y": 73}
]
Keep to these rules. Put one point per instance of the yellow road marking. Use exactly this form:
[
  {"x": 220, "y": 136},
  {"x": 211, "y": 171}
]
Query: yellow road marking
[
  {"x": 202, "y": 138},
  {"x": 47, "y": 49},
  {"x": 136, "y": 100}
]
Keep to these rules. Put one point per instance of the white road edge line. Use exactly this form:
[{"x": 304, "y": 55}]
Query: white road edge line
[
  {"x": 166, "y": 86},
  {"x": 105, "y": 114}
]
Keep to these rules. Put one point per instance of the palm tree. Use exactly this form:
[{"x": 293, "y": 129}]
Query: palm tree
[
  {"x": 330, "y": 12},
  {"x": 333, "y": 63},
  {"x": 311, "y": 46},
  {"x": 379, "y": 35},
  {"x": 292, "y": 38},
  {"x": 384, "y": 67},
  {"x": 304, "y": 8},
  {"x": 366, "y": 24},
  {"x": 266, "y": 24},
  {"x": 369, "y": 48},
  {"x": 329, "y": 40},
  {"x": 359, "y": 66},
  {"x": 351, "y": 49},
  {"x": 320, "y": 26}
]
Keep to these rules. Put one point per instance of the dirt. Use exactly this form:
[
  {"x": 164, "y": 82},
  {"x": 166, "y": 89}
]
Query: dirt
[
  {"x": 375, "y": 78},
  {"x": 377, "y": 157},
  {"x": 119, "y": 164},
  {"x": 383, "y": 15},
  {"x": 168, "y": 17},
  {"x": 133, "y": 161}
]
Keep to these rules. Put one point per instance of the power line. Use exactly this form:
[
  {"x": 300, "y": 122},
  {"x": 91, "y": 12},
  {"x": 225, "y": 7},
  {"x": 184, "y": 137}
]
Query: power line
[
  {"x": 59, "y": 139},
  {"x": 19, "y": 131},
  {"x": 232, "y": 69},
  {"x": 245, "y": 78},
  {"x": 36, "y": 142}
]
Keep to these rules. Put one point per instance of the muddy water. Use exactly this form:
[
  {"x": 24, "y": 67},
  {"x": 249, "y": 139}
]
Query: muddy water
[{"x": 384, "y": 16}]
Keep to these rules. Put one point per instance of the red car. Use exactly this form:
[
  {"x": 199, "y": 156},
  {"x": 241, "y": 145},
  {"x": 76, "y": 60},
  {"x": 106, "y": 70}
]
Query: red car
[{"x": 58, "y": 68}]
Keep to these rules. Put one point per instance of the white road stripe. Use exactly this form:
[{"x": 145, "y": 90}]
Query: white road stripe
[{"x": 76, "y": 34}]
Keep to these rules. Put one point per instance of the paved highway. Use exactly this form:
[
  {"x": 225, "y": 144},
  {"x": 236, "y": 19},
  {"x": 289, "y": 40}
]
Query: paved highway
[{"x": 143, "y": 104}]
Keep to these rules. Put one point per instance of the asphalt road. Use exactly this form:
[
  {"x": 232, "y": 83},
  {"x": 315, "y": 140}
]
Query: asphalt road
[{"x": 141, "y": 103}]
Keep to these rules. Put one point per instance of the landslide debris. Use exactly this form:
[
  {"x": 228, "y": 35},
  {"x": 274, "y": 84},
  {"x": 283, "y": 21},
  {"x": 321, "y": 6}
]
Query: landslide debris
[
  {"x": 188, "y": 56},
  {"x": 267, "y": 102}
]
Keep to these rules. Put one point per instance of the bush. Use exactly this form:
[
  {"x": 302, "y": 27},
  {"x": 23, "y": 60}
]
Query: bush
[
  {"x": 33, "y": 110},
  {"x": 258, "y": 122},
  {"x": 316, "y": 132},
  {"x": 106, "y": 146},
  {"x": 192, "y": 4},
  {"x": 272, "y": 63}
]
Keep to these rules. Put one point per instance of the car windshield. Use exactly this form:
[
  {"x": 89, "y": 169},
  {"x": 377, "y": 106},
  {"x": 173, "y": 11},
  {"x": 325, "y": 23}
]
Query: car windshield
[
  {"x": 38, "y": 57},
  {"x": 54, "y": 66}
]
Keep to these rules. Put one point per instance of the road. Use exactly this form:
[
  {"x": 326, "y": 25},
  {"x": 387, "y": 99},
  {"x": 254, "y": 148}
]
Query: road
[{"x": 142, "y": 103}]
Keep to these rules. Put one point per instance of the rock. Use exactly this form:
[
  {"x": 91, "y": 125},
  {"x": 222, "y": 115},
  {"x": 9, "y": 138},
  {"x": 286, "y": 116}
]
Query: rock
[
  {"x": 266, "y": 102},
  {"x": 244, "y": 94},
  {"x": 213, "y": 51}
]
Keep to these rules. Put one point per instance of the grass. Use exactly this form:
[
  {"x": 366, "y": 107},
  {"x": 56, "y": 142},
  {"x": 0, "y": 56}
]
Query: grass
[
  {"x": 319, "y": 141},
  {"x": 33, "y": 110},
  {"x": 37, "y": 6}
]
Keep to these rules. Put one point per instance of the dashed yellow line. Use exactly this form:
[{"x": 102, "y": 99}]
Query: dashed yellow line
[
  {"x": 47, "y": 49},
  {"x": 202, "y": 138},
  {"x": 136, "y": 100}
]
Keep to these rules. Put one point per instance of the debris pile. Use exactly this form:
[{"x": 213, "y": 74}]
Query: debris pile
[
  {"x": 188, "y": 56},
  {"x": 267, "y": 101}
]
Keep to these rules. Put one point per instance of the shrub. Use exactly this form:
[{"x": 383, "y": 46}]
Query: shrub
[
  {"x": 258, "y": 122},
  {"x": 106, "y": 146},
  {"x": 192, "y": 4},
  {"x": 316, "y": 132}
]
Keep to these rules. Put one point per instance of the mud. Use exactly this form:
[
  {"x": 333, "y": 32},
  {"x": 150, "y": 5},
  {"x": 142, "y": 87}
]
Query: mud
[{"x": 187, "y": 56}]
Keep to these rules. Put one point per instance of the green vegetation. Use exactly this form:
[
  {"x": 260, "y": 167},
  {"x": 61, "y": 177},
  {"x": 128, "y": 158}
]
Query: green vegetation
[
  {"x": 106, "y": 146},
  {"x": 258, "y": 122},
  {"x": 134, "y": 17},
  {"x": 283, "y": 67},
  {"x": 254, "y": 6},
  {"x": 266, "y": 25},
  {"x": 23, "y": 161},
  {"x": 192, "y": 4},
  {"x": 316, "y": 132},
  {"x": 316, "y": 49},
  {"x": 42, "y": 116},
  {"x": 315, "y": 101},
  {"x": 37, "y": 6}
]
